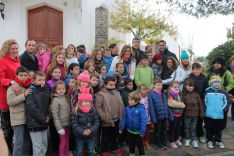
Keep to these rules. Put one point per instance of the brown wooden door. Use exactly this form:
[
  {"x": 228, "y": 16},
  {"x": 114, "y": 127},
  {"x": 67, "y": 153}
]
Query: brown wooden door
[{"x": 45, "y": 24}]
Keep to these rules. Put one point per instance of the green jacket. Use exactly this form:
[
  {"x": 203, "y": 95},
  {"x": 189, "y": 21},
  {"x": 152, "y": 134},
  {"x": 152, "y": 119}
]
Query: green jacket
[
  {"x": 144, "y": 74},
  {"x": 124, "y": 95}
]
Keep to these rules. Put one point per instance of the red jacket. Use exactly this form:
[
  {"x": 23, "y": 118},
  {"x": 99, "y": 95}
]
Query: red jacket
[{"x": 8, "y": 66}]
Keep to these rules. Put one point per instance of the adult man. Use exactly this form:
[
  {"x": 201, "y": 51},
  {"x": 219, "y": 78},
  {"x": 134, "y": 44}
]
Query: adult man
[
  {"x": 28, "y": 59},
  {"x": 164, "y": 51},
  {"x": 114, "y": 49},
  {"x": 136, "y": 43}
]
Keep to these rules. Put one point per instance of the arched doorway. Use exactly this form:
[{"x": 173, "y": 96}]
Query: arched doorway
[{"x": 45, "y": 24}]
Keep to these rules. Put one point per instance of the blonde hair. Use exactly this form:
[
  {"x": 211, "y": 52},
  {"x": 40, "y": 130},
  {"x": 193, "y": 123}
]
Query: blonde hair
[
  {"x": 123, "y": 51},
  {"x": 89, "y": 63},
  {"x": 144, "y": 86},
  {"x": 59, "y": 82},
  {"x": 136, "y": 95},
  {"x": 41, "y": 46},
  {"x": 56, "y": 50},
  {"x": 6, "y": 47}
]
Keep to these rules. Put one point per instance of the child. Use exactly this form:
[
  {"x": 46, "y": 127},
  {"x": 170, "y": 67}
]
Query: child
[
  {"x": 82, "y": 57},
  {"x": 56, "y": 75},
  {"x": 85, "y": 124},
  {"x": 16, "y": 104},
  {"x": 120, "y": 70},
  {"x": 37, "y": 114},
  {"x": 176, "y": 106},
  {"x": 157, "y": 65},
  {"x": 107, "y": 58},
  {"x": 134, "y": 119},
  {"x": 43, "y": 57},
  {"x": 97, "y": 58},
  {"x": 71, "y": 57},
  {"x": 128, "y": 83},
  {"x": 110, "y": 108},
  {"x": 73, "y": 69},
  {"x": 58, "y": 60},
  {"x": 72, "y": 48},
  {"x": 61, "y": 116},
  {"x": 200, "y": 85},
  {"x": 31, "y": 75},
  {"x": 216, "y": 103},
  {"x": 57, "y": 49},
  {"x": 159, "y": 113},
  {"x": 144, "y": 73},
  {"x": 89, "y": 66},
  {"x": 94, "y": 81},
  {"x": 144, "y": 100},
  {"x": 103, "y": 72},
  {"x": 193, "y": 110}
]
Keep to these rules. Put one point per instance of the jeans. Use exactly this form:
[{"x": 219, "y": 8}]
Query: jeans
[
  {"x": 174, "y": 129},
  {"x": 84, "y": 143},
  {"x": 64, "y": 143},
  {"x": 21, "y": 141},
  {"x": 39, "y": 142},
  {"x": 214, "y": 129},
  {"x": 190, "y": 124},
  {"x": 133, "y": 140}
]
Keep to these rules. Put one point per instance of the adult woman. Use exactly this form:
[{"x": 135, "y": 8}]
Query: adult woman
[
  {"x": 127, "y": 58},
  {"x": 9, "y": 62}
]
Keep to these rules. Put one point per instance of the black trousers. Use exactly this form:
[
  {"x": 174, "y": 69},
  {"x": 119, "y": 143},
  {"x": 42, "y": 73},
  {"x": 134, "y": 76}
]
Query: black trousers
[
  {"x": 199, "y": 128},
  {"x": 174, "y": 129},
  {"x": 109, "y": 136},
  {"x": 213, "y": 129},
  {"x": 160, "y": 132},
  {"x": 133, "y": 140}
]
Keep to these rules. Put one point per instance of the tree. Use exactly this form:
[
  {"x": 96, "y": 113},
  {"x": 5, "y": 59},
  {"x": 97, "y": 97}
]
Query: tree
[
  {"x": 201, "y": 8},
  {"x": 230, "y": 33},
  {"x": 148, "y": 25}
]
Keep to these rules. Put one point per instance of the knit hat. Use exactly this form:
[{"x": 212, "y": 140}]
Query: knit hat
[
  {"x": 84, "y": 76},
  {"x": 157, "y": 57},
  {"x": 219, "y": 60},
  {"x": 216, "y": 79},
  {"x": 85, "y": 95},
  {"x": 184, "y": 55}
]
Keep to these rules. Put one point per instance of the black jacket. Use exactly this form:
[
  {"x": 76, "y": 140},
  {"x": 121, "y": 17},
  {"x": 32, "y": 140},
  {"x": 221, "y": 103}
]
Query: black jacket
[
  {"x": 201, "y": 84},
  {"x": 167, "y": 54},
  {"x": 37, "y": 108},
  {"x": 137, "y": 53},
  {"x": 82, "y": 121},
  {"x": 27, "y": 61}
]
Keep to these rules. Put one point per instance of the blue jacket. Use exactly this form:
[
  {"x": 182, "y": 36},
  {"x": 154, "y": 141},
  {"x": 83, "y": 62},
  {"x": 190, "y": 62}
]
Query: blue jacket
[
  {"x": 216, "y": 102},
  {"x": 134, "y": 119},
  {"x": 108, "y": 61},
  {"x": 67, "y": 79},
  {"x": 82, "y": 59},
  {"x": 158, "y": 107}
]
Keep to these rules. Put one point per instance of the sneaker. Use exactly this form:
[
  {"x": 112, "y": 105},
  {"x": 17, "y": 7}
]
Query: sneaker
[
  {"x": 159, "y": 145},
  {"x": 178, "y": 143},
  {"x": 147, "y": 147},
  {"x": 195, "y": 144},
  {"x": 187, "y": 142},
  {"x": 210, "y": 145},
  {"x": 105, "y": 154},
  {"x": 130, "y": 154},
  {"x": 173, "y": 145},
  {"x": 202, "y": 139},
  {"x": 119, "y": 152},
  {"x": 164, "y": 145},
  {"x": 220, "y": 144}
]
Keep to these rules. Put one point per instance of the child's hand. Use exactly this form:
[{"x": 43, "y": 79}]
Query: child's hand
[
  {"x": 47, "y": 119},
  {"x": 28, "y": 91},
  {"x": 141, "y": 135},
  {"x": 86, "y": 132},
  {"x": 61, "y": 131},
  {"x": 120, "y": 132}
]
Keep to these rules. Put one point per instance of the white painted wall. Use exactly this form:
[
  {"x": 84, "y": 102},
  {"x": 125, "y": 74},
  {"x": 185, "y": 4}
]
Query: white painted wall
[{"x": 78, "y": 20}]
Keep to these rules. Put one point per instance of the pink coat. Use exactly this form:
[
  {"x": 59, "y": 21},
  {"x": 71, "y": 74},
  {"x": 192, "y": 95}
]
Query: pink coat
[{"x": 44, "y": 60}]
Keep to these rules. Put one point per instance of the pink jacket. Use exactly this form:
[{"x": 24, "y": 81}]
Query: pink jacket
[{"x": 44, "y": 60}]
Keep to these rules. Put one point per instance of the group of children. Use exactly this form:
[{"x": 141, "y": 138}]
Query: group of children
[{"x": 104, "y": 109}]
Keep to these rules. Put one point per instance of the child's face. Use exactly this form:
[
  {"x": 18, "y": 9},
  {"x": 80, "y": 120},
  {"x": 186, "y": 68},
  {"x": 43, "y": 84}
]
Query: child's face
[
  {"x": 70, "y": 54},
  {"x": 197, "y": 72},
  {"x": 71, "y": 48},
  {"x": 216, "y": 84},
  {"x": 103, "y": 70},
  {"x": 143, "y": 91},
  {"x": 84, "y": 84},
  {"x": 86, "y": 104},
  {"x": 217, "y": 66},
  {"x": 72, "y": 83},
  {"x": 94, "y": 81},
  {"x": 107, "y": 53},
  {"x": 129, "y": 86},
  {"x": 60, "y": 59},
  {"x": 145, "y": 62},
  {"x": 41, "y": 50},
  {"x": 91, "y": 69},
  {"x": 176, "y": 87},
  {"x": 158, "y": 86},
  {"x": 56, "y": 74},
  {"x": 132, "y": 102},
  {"x": 120, "y": 68},
  {"x": 150, "y": 56},
  {"x": 76, "y": 70},
  {"x": 99, "y": 55},
  {"x": 40, "y": 81},
  {"x": 189, "y": 88},
  {"x": 169, "y": 63},
  {"x": 110, "y": 85},
  {"x": 159, "y": 61},
  {"x": 22, "y": 76},
  {"x": 61, "y": 89}
]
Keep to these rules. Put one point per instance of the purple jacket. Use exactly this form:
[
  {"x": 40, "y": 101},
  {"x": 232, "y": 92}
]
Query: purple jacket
[
  {"x": 44, "y": 60},
  {"x": 51, "y": 84}
]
